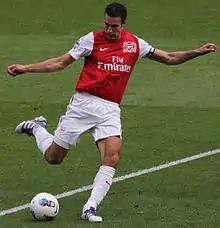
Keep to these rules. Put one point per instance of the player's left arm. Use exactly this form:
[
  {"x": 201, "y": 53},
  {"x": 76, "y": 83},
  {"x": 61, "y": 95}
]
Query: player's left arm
[{"x": 174, "y": 58}]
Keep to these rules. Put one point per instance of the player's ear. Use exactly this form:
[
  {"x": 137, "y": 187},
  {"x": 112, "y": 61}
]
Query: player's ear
[{"x": 124, "y": 22}]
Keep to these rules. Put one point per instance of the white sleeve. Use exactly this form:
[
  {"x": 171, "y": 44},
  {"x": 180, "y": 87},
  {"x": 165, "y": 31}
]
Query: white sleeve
[
  {"x": 83, "y": 47},
  {"x": 146, "y": 50}
]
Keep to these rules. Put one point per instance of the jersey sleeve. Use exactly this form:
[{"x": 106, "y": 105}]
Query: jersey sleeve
[
  {"x": 83, "y": 47},
  {"x": 146, "y": 50}
]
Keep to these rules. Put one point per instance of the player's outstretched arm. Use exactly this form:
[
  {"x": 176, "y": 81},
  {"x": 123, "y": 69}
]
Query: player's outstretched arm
[
  {"x": 174, "y": 58},
  {"x": 50, "y": 65}
]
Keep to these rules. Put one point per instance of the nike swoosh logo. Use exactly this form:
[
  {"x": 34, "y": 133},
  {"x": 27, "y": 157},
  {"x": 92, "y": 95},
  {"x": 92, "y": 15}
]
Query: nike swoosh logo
[{"x": 103, "y": 49}]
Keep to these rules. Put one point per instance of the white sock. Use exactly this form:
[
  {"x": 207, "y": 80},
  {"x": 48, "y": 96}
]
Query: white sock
[
  {"x": 102, "y": 184},
  {"x": 43, "y": 138}
]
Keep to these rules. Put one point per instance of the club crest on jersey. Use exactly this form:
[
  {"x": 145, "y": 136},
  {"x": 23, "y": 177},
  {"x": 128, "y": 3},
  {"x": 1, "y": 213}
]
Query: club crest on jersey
[{"x": 129, "y": 46}]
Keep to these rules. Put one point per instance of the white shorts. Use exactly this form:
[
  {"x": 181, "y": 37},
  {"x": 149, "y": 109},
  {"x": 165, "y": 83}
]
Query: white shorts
[{"x": 88, "y": 112}]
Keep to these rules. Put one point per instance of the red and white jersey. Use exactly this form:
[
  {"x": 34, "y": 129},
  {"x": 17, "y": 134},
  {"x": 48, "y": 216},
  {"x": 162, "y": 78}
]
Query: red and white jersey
[{"x": 108, "y": 64}]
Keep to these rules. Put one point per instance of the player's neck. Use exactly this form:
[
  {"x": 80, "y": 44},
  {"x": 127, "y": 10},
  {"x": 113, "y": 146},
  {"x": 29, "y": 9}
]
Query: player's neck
[{"x": 118, "y": 38}]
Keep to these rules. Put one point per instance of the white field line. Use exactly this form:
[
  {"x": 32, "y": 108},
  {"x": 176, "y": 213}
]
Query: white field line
[{"x": 117, "y": 179}]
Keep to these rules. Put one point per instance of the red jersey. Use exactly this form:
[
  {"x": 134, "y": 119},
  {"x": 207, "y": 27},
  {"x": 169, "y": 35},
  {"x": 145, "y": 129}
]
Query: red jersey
[{"x": 108, "y": 64}]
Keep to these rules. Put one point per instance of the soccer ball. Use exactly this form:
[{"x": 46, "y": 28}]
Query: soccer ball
[{"x": 44, "y": 207}]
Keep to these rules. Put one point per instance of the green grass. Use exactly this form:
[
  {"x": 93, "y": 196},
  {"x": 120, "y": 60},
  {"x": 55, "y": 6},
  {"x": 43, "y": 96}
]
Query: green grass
[{"x": 168, "y": 113}]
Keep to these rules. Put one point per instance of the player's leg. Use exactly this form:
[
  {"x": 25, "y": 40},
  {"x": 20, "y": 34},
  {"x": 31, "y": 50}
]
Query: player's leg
[
  {"x": 54, "y": 152},
  {"x": 76, "y": 120},
  {"x": 107, "y": 135},
  {"x": 101, "y": 147},
  {"x": 109, "y": 150}
]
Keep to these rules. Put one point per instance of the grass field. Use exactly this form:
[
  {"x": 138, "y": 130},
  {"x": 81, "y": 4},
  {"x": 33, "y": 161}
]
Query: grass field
[{"x": 168, "y": 113}]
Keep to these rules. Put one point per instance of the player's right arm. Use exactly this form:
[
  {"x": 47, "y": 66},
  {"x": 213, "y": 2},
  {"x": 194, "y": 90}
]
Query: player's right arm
[
  {"x": 50, "y": 65},
  {"x": 82, "y": 48}
]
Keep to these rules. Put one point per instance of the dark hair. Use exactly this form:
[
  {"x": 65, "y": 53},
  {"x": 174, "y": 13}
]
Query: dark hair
[{"x": 116, "y": 9}]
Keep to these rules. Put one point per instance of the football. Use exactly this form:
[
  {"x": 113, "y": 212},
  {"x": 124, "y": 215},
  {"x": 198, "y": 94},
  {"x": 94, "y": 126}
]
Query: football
[{"x": 44, "y": 207}]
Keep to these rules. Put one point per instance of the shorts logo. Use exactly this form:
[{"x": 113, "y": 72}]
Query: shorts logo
[
  {"x": 61, "y": 129},
  {"x": 108, "y": 183},
  {"x": 129, "y": 47}
]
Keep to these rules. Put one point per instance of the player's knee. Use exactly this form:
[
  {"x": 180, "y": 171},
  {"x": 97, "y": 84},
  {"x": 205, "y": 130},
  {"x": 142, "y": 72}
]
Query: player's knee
[
  {"x": 55, "y": 154},
  {"x": 53, "y": 158},
  {"x": 111, "y": 160},
  {"x": 115, "y": 160}
]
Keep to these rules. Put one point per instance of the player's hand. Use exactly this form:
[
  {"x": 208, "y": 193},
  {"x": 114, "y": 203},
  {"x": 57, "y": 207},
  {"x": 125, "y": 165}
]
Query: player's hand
[
  {"x": 17, "y": 69},
  {"x": 205, "y": 49}
]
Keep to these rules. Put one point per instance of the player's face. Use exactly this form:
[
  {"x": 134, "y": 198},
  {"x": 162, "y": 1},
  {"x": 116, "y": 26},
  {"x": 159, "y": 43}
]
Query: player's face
[{"x": 113, "y": 27}]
